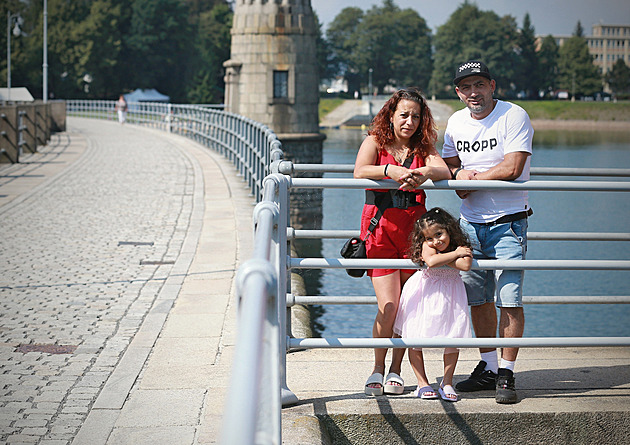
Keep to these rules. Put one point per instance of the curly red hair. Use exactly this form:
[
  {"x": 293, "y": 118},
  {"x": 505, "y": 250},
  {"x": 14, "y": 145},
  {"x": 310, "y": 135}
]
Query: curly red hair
[{"x": 426, "y": 135}]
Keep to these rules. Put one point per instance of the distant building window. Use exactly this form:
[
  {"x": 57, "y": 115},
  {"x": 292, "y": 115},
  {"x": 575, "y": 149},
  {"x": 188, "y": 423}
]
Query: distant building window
[{"x": 280, "y": 84}]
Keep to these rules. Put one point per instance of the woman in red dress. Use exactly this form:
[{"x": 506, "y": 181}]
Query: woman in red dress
[{"x": 404, "y": 128}]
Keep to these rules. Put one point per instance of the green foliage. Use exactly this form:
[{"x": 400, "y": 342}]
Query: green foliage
[
  {"x": 547, "y": 64},
  {"x": 470, "y": 34},
  {"x": 175, "y": 46},
  {"x": 326, "y": 60},
  {"x": 213, "y": 30},
  {"x": 394, "y": 43},
  {"x": 619, "y": 78},
  {"x": 528, "y": 78},
  {"x": 576, "y": 71},
  {"x": 159, "y": 46},
  {"x": 326, "y": 105},
  {"x": 567, "y": 110}
]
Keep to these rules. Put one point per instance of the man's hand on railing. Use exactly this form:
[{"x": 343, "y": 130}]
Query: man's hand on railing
[{"x": 465, "y": 175}]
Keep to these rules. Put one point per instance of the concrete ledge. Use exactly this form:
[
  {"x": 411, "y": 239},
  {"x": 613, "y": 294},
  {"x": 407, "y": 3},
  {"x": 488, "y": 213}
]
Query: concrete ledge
[
  {"x": 566, "y": 395},
  {"x": 482, "y": 428}
]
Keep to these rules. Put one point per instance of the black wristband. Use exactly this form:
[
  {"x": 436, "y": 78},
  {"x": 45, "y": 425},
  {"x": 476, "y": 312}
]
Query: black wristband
[
  {"x": 457, "y": 171},
  {"x": 385, "y": 170}
]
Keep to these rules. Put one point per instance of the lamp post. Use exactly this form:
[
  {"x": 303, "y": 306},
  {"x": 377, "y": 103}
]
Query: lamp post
[
  {"x": 16, "y": 32},
  {"x": 370, "y": 82},
  {"x": 45, "y": 62}
]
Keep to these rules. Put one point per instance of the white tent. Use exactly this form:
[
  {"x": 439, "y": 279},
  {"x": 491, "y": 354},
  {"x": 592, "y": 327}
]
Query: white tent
[
  {"x": 148, "y": 95},
  {"x": 18, "y": 94}
]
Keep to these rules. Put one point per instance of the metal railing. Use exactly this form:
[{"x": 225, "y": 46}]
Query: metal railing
[
  {"x": 258, "y": 381},
  {"x": 251, "y": 146},
  {"x": 277, "y": 191},
  {"x": 253, "y": 149}
]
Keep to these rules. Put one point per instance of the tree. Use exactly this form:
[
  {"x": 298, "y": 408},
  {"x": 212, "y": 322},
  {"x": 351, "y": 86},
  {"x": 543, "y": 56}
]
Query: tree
[
  {"x": 326, "y": 61},
  {"x": 576, "y": 71},
  {"x": 548, "y": 64},
  {"x": 159, "y": 46},
  {"x": 469, "y": 34},
  {"x": 212, "y": 49},
  {"x": 394, "y": 44},
  {"x": 414, "y": 66},
  {"x": 528, "y": 76},
  {"x": 101, "y": 48},
  {"x": 341, "y": 34},
  {"x": 579, "y": 31},
  {"x": 618, "y": 78}
]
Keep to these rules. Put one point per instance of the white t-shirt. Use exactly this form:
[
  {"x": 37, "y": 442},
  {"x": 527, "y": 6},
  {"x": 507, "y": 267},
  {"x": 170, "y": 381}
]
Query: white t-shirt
[{"x": 482, "y": 144}]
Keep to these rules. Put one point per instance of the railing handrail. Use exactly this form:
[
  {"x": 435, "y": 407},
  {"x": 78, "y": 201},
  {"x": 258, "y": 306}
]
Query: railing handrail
[
  {"x": 253, "y": 149},
  {"x": 287, "y": 167},
  {"x": 388, "y": 184},
  {"x": 531, "y": 236},
  {"x": 251, "y": 146},
  {"x": 262, "y": 281},
  {"x": 292, "y": 300}
]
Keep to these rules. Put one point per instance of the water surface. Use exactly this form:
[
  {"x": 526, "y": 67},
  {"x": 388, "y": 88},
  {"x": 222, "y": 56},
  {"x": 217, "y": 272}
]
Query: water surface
[{"x": 553, "y": 212}]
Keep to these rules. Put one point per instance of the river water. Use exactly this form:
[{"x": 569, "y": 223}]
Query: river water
[{"x": 553, "y": 212}]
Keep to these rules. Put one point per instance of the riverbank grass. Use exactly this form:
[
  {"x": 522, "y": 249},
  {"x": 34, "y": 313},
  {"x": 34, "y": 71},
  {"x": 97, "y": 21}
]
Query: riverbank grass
[{"x": 566, "y": 110}]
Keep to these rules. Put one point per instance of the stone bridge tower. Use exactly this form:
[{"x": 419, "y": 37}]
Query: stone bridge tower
[{"x": 272, "y": 78}]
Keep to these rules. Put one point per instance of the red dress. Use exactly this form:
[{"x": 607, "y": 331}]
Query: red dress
[{"x": 390, "y": 238}]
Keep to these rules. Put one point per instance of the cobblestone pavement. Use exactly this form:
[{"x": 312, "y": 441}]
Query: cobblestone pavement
[{"x": 85, "y": 250}]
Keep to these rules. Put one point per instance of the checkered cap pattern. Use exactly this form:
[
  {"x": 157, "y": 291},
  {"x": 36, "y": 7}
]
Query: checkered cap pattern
[{"x": 471, "y": 68}]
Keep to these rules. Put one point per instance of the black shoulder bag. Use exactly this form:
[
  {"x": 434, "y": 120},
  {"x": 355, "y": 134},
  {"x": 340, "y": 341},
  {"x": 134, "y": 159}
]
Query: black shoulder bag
[{"x": 354, "y": 248}]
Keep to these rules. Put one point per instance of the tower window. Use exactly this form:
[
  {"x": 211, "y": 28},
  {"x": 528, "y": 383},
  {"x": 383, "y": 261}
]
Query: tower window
[{"x": 280, "y": 84}]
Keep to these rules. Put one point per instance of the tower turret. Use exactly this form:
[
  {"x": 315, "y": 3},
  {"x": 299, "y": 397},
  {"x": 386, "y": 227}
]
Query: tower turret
[
  {"x": 272, "y": 74},
  {"x": 272, "y": 78}
]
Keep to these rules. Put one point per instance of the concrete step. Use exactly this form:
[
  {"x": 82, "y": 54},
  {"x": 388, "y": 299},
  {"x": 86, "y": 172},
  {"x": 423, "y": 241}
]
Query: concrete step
[{"x": 576, "y": 395}]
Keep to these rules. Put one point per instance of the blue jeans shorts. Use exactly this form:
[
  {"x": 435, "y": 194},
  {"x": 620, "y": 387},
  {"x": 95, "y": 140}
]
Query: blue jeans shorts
[{"x": 504, "y": 242}]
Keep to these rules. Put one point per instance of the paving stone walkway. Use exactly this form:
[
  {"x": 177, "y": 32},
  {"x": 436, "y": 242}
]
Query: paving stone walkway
[{"x": 99, "y": 231}]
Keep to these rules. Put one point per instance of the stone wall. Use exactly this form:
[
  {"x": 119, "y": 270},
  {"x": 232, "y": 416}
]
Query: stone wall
[{"x": 26, "y": 126}]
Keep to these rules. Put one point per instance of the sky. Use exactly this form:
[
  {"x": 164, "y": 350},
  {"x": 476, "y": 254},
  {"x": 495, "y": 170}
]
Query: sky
[{"x": 557, "y": 17}]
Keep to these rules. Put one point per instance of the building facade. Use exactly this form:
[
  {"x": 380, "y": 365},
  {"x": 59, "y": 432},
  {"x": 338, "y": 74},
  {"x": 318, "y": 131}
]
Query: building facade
[{"x": 608, "y": 44}]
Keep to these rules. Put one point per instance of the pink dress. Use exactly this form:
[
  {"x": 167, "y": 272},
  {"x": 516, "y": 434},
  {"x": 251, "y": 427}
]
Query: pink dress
[{"x": 433, "y": 303}]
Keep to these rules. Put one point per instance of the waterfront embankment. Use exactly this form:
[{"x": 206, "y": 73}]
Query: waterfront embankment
[{"x": 545, "y": 115}]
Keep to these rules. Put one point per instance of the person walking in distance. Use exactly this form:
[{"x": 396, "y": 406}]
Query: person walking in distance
[
  {"x": 491, "y": 139},
  {"x": 433, "y": 301},
  {"x": 121, "y": 108}
]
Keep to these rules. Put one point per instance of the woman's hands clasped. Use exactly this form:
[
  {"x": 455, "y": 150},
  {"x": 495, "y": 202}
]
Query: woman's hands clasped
[{"x": 411, "y": 178}]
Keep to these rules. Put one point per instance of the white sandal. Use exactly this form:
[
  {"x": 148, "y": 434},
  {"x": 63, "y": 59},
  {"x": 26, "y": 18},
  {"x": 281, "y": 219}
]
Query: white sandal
[
  {"x": 376, "y": 378},
  {"x": 447, "y": 393},
  {"x": 394, "y": 389}
]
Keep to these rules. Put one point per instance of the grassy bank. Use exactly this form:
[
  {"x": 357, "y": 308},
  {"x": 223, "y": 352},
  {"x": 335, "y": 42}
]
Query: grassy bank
[
  {"x": 327, "y": 105},
  {"x": 565, "y": 110}
]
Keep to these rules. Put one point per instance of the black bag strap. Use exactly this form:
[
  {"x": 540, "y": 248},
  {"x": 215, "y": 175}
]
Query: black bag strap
[{"x": 384, "y": 204}]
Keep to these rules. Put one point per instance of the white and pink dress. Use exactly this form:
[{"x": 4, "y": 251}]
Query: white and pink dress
[{"x": 432, "y": 304}]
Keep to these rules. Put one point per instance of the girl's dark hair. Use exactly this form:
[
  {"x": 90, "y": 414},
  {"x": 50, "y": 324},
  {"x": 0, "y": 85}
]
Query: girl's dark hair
[
  {"x": 443, "y": 219},
  {"x": 426, "y": 135}
]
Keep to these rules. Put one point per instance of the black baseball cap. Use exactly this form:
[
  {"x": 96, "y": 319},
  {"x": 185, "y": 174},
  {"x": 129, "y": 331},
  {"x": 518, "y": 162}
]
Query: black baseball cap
[{"x": 471, "y": 68}]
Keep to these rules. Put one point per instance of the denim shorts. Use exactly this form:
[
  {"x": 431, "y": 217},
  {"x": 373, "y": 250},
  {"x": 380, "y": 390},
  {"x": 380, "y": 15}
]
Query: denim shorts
[{"x": 504, "y": 242}]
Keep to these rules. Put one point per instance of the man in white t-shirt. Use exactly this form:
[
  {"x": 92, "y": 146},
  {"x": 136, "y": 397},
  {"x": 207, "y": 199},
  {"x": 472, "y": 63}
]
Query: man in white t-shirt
[{"x": 491, "y": 139}]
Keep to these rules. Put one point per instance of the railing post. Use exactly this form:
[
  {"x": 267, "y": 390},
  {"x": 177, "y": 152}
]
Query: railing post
[
  {"x": 169, "y": 117},
  {"x": 280, "y": 259}
]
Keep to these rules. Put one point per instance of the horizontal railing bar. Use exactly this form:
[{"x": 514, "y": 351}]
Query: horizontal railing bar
[
  {"x": 522, "y": 342},
  {"x": 370, "y": 299},
  {"x": 342, "y": 263},
  {"x": 531, "y": 236},
  {"x": 567, "y": 186},
  {"x": 538, "y": 171}
]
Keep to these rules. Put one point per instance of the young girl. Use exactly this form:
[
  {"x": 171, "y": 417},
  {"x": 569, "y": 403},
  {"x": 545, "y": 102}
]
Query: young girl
[{"x": 433, "y": 302}]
